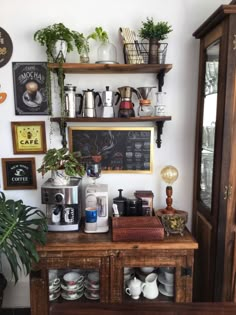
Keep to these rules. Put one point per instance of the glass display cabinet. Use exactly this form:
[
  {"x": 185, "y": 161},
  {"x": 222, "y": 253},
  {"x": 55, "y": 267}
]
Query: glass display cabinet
[{"x": 214, "y": 218}]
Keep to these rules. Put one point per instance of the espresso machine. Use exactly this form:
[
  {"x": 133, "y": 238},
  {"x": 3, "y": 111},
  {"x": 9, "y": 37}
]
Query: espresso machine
[{"x": 63, "y": 205}]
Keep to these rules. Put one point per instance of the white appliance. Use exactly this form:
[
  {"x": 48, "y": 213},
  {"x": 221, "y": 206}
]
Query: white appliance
[{"x": 96, "y": 195}]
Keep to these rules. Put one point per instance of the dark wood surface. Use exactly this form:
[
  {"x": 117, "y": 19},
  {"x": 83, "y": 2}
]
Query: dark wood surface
[
  {"x": 112, "y": 68},
  {"x": 101, "y": 119},
  {"x": 148, "y": 309}
]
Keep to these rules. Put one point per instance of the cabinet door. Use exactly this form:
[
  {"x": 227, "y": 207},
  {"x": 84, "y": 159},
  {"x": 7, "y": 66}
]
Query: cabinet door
[
  {"x": 164, "y": 276},
  {"x": 212, "y": 210}
]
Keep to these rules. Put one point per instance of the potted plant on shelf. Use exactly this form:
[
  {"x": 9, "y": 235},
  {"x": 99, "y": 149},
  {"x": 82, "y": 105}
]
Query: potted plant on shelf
[
  {"x": 22, "y": 228},
  {"x": 154, "y": 33},
  {"x": 106, "y": 52},
  {"x": 62, "y": 165}
]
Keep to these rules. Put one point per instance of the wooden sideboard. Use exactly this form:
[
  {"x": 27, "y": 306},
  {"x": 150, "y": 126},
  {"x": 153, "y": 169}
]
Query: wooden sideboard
[{"x": 78, "y": 250}]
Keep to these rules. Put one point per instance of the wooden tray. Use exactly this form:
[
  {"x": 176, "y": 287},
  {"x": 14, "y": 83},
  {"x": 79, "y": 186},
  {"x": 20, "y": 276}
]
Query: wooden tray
[{"x": 137, "y": 229}]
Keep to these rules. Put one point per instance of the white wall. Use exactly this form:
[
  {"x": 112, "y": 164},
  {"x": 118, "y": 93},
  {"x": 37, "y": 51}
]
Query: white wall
[{"x": 22, "y": 18}]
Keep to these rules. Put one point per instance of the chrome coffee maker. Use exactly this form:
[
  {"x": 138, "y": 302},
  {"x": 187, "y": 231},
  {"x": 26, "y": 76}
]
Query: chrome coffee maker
[{"x": 63, "y": 205}]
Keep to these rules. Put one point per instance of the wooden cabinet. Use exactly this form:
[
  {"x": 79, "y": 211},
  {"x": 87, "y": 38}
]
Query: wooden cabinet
[
  {"x": 214, "y": 207},
  {"x": 77, "y": 250}
]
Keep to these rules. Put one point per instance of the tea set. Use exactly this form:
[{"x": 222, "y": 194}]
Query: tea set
[
  {"x": 149, "y": 282},
  {"x": 73, "y": 285}
]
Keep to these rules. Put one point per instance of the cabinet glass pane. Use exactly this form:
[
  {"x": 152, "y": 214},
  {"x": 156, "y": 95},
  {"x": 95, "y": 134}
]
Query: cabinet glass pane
[
  {"x": 208, "y": 123},
  {"x": 149, "y": 283}
]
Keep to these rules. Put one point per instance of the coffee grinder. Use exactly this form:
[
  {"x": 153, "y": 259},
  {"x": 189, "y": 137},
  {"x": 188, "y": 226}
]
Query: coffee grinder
[
  {"x": 63, "y": 205},
  {"x": 96, "y": 196}
]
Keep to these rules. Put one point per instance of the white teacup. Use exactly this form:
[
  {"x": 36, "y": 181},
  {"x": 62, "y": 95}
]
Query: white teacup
[{"x": 72, "y": 279}]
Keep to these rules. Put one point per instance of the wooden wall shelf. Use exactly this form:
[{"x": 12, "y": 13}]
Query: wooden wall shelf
[{"x": 159, "y": 120}]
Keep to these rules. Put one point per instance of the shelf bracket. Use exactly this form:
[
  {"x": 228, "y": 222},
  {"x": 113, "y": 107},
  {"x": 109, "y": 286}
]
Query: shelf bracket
[
  {"x": 159, "y": 125},
  {"x": 160, "y": 78},
  {"x": 62, "y": 127}
]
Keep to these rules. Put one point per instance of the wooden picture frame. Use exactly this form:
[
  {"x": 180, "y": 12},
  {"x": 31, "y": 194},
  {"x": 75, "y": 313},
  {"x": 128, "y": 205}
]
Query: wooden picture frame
[
  {"x": 28, "y": 137},
  {"x": 122, "y": 149},
  {"x": 19, "y": 173}
]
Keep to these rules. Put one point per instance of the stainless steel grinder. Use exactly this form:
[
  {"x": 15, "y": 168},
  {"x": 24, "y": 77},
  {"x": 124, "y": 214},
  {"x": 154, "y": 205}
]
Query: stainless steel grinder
[{"x": 63, "y": 205}]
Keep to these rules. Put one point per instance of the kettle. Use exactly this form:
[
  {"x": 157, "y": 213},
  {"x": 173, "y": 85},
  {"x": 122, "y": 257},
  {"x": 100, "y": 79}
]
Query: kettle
[
  {"x": 108, "y": 100},
  {"x": 88, "y": 103},
  {"x": 126, "y": 106}
]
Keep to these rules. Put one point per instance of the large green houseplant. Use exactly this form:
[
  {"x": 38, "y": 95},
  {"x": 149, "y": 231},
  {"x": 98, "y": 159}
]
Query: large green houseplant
[
  {"x": 22, "y": 227},
  {"x": 58, "y": 40},
  {"x": 154, "y": 32},
  {"x": 62, "y": 159}
]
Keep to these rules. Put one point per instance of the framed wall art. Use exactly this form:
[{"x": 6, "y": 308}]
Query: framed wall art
[
  {"x": 6, "y": 47},
  {"x": 28, "y": 137},
  {"x": 122, "y": 150},
  {"x": 19, "y": 173},
  {"x": 30, "y": 91}
]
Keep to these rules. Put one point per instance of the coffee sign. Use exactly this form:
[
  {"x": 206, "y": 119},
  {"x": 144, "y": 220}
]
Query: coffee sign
[
  {"x": 29, "y": 79},
  {"x": 6, "y": 47},
  {"x": 19, "y": 173}
]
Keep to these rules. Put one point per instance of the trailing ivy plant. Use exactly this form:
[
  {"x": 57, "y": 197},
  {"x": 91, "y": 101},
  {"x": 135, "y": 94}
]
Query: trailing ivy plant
[{"x": 22, "y": 227}]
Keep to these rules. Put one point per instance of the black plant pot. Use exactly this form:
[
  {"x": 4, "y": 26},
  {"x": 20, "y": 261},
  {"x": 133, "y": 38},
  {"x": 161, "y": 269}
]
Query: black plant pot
[{"x": 3, "y": 284}]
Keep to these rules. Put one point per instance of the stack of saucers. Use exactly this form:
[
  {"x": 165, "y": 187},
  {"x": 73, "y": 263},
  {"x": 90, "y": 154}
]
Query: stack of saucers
[
  {"x": 92, "y": 286},
  {"x": 128, "y": 275},
  {"x": 72, "y": 286},
  {"x": 166, "y": 281},
  {"x": 143, "y": 272},
  {"x": 54, "y": 285}
]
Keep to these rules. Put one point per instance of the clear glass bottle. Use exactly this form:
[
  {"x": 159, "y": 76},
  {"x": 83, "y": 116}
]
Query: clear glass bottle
[{"x": 145, "y": 108}]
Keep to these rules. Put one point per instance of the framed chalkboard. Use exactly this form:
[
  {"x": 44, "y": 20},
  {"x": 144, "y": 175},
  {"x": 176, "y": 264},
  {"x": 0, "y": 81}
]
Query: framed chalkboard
[
  {"x": 122, "y": 150},
  {"x": 19, "y": 173}
]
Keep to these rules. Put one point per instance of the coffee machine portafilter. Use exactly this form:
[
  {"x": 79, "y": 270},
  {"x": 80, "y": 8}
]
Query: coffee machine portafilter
[{"x": 63, "y": 205}]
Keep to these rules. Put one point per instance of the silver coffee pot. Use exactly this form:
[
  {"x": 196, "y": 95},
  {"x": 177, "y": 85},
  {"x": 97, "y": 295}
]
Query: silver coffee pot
[
  {"x": 109, "y": 99},
  {"x": 88, "y": 103},
  {"x": 70, "y": 103}
]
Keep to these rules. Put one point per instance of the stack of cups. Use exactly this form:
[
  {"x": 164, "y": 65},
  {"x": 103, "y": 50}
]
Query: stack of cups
[
  {"x": 92, "y": 286},
  {"x": 54, "y": 285},
  {"x": 72, "y": 286},
  {"x": 166, "y": 281}
]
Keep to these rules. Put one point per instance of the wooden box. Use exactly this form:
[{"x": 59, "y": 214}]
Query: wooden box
[{"x": 137, "y": 229}]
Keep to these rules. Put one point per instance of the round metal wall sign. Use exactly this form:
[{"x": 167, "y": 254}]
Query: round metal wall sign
[{"x": 6, "y": 47}]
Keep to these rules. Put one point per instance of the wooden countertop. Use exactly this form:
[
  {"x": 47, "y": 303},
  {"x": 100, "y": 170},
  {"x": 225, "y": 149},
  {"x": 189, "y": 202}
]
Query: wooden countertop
[{"x": 81, "y": 241}]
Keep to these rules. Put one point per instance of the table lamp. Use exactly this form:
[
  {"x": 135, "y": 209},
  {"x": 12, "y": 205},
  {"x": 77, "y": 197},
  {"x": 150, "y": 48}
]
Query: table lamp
[{"x": 173, "y": 220}]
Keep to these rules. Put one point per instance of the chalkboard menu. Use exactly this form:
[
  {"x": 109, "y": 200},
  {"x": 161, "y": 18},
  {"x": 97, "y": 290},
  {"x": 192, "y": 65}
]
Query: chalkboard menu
[{"x": 122, "y": 150}]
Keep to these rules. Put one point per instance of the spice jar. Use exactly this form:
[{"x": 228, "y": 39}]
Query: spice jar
[{"x": 145, "y": 108}]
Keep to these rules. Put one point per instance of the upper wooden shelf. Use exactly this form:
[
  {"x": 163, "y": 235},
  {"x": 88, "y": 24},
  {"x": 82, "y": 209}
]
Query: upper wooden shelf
[
  {"x": 101, "y": 119},
  {"x": 111, "y": 68}
]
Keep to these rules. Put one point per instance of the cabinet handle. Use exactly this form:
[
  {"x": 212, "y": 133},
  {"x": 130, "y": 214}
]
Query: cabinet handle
[
  {"x": 234, "y": 42},
  {"x": 228, "y": 192}
]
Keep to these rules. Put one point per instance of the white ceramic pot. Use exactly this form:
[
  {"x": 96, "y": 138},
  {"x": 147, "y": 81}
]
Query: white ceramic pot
[
  {"x": 60, "y": 50},
  {"x": 59, "y": 177}
]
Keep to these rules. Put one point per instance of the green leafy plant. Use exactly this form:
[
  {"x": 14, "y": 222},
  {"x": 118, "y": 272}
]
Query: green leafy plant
[
  {"x": 99, "y": 35},
  {"x": 49, "y": 35},
  {"x": 58, "y": 159},
  {"x": 22, "y": 227},
  {"x": 150, "y": 30}
]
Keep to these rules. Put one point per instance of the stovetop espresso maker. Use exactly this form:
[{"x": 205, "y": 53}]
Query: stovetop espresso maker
[
  {"x": 109, "y": 100},
  {"x": 126, "y": 108}
]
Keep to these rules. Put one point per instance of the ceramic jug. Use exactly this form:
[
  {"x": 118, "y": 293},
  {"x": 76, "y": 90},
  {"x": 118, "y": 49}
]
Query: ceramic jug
[{"x": 149, "y": 287}]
